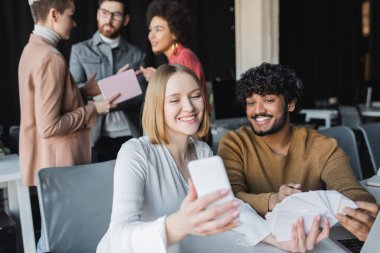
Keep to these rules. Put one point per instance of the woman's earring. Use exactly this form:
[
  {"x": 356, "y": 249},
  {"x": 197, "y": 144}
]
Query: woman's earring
[{"x": 174, "y": 45}]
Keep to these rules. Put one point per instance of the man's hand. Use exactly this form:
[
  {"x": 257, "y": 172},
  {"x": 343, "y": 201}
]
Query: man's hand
[
  {"x": 92, "y": 87},
  {"x": 284, "y": 191},
  {"x": 124, "y": 68},
  {"x": 359, "y": 221},
  {"x": 287, "y": 190}
]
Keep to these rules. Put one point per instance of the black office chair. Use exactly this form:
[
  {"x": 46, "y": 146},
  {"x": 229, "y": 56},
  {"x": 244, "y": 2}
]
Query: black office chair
[
  {"x": 75, "y": 204},
  {"x": 371, "y": 133},
  {"x": 346, "y": 139}
]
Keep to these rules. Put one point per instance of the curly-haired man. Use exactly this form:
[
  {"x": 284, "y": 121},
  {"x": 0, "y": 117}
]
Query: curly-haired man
[{"x": 273, "y": 159}]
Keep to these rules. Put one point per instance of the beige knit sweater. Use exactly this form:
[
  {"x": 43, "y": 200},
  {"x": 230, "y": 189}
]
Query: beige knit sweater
[{"x": 313, "y": 160}]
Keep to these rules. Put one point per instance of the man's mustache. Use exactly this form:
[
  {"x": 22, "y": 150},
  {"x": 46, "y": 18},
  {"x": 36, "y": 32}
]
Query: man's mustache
[
  {"x": 109, "y": 24},
  {"x": 261, "y": 115}
]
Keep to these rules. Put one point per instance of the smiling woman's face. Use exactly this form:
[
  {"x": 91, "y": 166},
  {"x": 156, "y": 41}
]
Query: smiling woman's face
[{"x": 183, "y": 106}]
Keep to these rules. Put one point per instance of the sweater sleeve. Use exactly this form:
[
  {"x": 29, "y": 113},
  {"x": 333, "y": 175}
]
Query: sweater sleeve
[
  {"x": 232, "y": 150},
  {"x": 127, "y": 232},
  {"x": 338, "y": 175}
]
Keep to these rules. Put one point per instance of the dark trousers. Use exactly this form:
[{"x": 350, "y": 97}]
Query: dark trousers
[{"x": 106, "y": 148}]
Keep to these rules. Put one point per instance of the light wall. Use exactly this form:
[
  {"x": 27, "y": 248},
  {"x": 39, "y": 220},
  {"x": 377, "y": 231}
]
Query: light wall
[{"x": 256, "y": 33}]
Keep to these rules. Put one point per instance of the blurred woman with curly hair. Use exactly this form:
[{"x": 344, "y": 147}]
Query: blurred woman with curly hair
[{"x": 169, "y": 32}]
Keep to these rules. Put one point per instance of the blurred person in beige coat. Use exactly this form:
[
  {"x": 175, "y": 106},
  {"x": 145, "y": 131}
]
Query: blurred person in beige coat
[{"x": 55, "y": 118}]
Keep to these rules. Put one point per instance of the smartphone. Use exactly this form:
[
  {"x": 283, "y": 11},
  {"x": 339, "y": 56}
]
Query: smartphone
[{"x": 209, "y": 175}]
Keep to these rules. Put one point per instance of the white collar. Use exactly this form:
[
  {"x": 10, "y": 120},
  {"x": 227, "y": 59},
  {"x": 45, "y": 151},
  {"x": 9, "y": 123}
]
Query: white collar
[
  {"x": 47, "y": 34},
  {"x": 114, "y": 43}
]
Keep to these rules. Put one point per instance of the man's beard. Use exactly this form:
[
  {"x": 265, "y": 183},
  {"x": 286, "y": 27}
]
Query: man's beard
[
  {"x": 112, "y": 35},
  {"x": 275, "y": 128}
]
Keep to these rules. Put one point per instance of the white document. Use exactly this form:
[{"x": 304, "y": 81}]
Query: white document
[
  {"x": 209, "y": 175},
  {"x": 284, "y": 220},
  {"x": 322, "y": 195},
  {"x": 306, "y": 205}
]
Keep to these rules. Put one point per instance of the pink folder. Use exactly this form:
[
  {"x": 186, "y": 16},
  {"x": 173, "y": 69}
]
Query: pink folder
[{"x": 124, "y": 83}]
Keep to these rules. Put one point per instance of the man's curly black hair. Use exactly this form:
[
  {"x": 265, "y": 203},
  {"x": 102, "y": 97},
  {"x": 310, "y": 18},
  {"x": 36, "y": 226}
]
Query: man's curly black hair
[
  {"x": 269, "y": 79},
  {"x": 177, "y": 16}
]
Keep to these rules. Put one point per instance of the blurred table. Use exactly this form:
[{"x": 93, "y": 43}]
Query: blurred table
[
  {"x": 373, "y": 111},
  {"x": 18, "y": 199},
  {"x": 220, "y": 244},
  {"x": 374, "y": 190},
  {"x": 326, "y": 114}
]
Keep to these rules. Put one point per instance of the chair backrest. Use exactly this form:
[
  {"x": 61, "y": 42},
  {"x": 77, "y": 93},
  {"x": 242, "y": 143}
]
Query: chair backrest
[
  {"x": 14, "y": 133},
  {"x": 371, "y": 133},
  {"x": 346, "y": 139},
  {"x": 349, "y": 116},
  {"x": 75, "y": 204}
]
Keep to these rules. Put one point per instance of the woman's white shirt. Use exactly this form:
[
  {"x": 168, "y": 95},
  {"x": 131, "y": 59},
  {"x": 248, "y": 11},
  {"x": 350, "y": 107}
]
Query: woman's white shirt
[{"x": 147, "y": 187}]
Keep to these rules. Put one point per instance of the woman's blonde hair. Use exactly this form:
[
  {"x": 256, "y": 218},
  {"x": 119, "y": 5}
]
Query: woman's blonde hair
[{"x": 153, "y": 111}]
